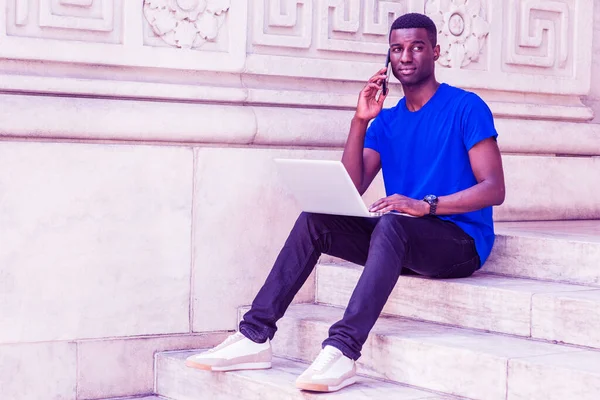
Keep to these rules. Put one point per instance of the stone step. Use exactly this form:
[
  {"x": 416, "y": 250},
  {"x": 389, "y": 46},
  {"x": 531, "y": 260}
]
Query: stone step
[
  {"x": 457, "y": 361},
  {"x": 178, "y": 382},
  {"x": 524, "y": 307},
  {"x": 542, "y": 188},
  {"x": 149, "y": 397},
  {"x": 562, "y": 251}
]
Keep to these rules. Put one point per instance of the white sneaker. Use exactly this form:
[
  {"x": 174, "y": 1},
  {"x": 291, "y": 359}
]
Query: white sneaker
[
  {"x": 330, "y": 371},
  {"x": 236, "y": 352}
]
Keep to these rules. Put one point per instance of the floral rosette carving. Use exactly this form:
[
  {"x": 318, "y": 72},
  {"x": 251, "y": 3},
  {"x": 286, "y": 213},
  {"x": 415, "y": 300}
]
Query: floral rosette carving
[
  {"x": 186, "y": 23},
  {"x": 462, "y": 30}
]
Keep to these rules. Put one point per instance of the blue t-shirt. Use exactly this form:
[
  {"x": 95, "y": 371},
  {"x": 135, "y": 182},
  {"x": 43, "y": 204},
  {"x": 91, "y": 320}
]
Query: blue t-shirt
[{"x": 426, "y": 152}]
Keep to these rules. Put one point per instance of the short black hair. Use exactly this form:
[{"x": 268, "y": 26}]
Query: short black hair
[{"x": 415, "y": 20}]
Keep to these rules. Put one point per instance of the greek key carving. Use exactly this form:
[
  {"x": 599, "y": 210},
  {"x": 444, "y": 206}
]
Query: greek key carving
[
  {"x": 341, "y": 28},
  {"x": 287, "y": 24},
  {"x": 534, "y": 39}
]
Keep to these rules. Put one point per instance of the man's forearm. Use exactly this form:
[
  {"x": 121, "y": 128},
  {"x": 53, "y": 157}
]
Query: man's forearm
[
  {"x": 353, "y": 152},
  {"x": 482, "y": 195}
]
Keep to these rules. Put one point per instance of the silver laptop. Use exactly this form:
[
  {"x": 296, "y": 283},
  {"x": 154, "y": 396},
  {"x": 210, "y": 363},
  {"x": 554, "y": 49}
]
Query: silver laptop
[{"x": 322, "y": 186}]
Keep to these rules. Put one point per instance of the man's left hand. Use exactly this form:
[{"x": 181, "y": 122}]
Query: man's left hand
[{"x": 403, "y": 204}]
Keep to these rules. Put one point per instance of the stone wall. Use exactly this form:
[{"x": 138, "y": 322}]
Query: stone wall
[
  {"x": 112, "y": 252},
  {"x": 593, "y": 99},
  {"x": 140, "y": 204}
]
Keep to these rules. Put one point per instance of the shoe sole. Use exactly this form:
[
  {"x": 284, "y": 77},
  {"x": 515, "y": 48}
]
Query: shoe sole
[
  {"x": 316, "y": 387},
  {"x": 234, "y": 367}
]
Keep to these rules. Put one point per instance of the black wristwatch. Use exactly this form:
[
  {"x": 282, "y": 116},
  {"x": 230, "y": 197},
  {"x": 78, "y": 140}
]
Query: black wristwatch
[{"x": 432, "y": 200}]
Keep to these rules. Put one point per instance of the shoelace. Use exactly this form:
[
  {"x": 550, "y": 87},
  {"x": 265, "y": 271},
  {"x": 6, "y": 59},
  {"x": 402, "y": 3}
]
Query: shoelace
[
  {"x": 324, "y": 358},
  {"x": 227, "y": 341}
]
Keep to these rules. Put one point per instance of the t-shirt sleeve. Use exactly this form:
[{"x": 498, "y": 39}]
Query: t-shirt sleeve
[
  {"x": 373, "y": 134},
  {"x": 478, "y": 122}
]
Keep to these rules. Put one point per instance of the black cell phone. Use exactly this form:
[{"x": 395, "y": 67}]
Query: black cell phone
[{"x": 384, "y": 86}]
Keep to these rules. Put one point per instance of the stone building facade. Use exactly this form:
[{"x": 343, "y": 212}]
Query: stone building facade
[{"x": 139, "y": 205}]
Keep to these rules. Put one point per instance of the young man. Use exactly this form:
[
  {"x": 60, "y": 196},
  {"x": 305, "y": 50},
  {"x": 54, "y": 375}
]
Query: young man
[{"x": 437, "y": 149}]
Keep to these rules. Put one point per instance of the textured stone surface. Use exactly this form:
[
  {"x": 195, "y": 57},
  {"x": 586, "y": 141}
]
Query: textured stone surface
[
  {"x": 593, "y": 99},
  {"x": 172, "y": 121},
  {"x": 565, "y": 251},
  {"x": 151, "y": 397},
  {"x": 243, "y": 214},
  {"x": 542, "y": 188},
  {"x": 488, "y": 302},
  {"x": 123, "y": 367},
  {"x": 567, "y": 317},
  {"x": 555, "y": 377},
  {"x": 177, "y": 381},
  {"x": 67, "y": 117},
  {"x": 95, "y": 240},
  {"x": 38, "y": 371},
  {"x": 140, "y": 398},
  {"x": 446, "y": 359},
  {"x": 547, "y": 137},
  {"x": 288, "y": 126}
]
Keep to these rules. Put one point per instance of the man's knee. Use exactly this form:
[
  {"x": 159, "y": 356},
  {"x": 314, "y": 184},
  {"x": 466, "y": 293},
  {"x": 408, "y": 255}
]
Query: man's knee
[
  {"x": 390, "y": 224},
  {"x": 319, "y": 224}
]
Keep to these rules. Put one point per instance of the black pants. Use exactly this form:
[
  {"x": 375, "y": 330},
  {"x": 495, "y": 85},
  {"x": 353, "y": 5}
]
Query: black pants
[{"x": 387, "y": 247}]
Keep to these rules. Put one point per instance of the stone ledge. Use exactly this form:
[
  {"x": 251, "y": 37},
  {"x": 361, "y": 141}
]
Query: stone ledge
[
  {"x": 237, "y": 90},
  {"x": 83, "y": 118},
  {"x": 105, "y": 119}
]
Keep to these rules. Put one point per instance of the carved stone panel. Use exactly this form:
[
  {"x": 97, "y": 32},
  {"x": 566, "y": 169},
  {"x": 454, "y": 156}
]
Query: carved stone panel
[
  {"x": 357, "y": 26},
  {"x": 186, "y": 23},
  {"x": 283, "y": 24},
  {"x": 508, "y": 45},
  {"x": 540, "y": 36},
  {"x": 81, "y": 20},
  {"x": 462, "y": 30},
  {"x": 161, "y": 34},
  {"x": 340, "y": 27}
]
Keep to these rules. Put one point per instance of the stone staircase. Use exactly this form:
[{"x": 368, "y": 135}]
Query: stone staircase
[{"x": 527, "y": 327}]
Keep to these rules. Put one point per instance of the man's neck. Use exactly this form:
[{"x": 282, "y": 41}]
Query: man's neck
[{"x": 418, "y": 95}]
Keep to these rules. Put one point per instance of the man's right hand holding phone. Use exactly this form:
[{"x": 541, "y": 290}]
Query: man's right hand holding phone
[{"x": 369, "y": 103}]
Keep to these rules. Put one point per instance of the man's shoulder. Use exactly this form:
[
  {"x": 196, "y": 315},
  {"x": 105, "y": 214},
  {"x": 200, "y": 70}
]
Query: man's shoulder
[{"x": 462, "y": 96}]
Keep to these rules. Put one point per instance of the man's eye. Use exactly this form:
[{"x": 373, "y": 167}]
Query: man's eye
[
  {"x": 418, "y": 48},
  {"x": 396, "y": 49}
]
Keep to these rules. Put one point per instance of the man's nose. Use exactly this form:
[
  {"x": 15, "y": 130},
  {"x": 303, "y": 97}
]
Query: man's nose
[{"x": 406, "y": 56}]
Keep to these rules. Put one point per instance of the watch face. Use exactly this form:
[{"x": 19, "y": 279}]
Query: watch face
[{"x": 430, "y": 198}]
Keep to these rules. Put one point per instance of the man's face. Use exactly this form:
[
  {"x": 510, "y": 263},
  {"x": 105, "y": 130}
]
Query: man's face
[{"x": 412, "y": 56}]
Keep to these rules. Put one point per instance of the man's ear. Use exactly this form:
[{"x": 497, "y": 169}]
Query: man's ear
[{"x": 436, "y": 52}]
